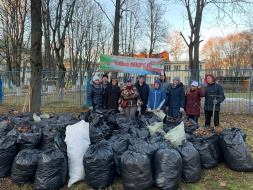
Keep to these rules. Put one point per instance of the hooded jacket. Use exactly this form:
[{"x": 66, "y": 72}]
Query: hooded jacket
[
  {"x": 111, "y": 98},
  {"x": 95, "y": 96},
  {"x": 157, "y": 97},
  {"x": 192, "y": 101},
  {"x": 213, "y": 89},
  {"x": 144, "y": 94},
  {"x": 176, "y": 100}
]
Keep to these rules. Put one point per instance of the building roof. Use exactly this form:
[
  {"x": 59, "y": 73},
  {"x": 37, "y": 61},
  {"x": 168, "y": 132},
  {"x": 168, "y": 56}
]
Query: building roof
[{"x": 181, "y": 62}]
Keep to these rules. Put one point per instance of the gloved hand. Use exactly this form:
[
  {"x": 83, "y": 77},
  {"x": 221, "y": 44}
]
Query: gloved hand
[
  {"x": 91, "y": 108},
  {"x": 167, "y": 108},
  {"x": 215, "y": 102},
  {"x": 139, "y": 109},
  {"x": 158, "y": 109},
  {"x": 181, "y": 110},
  {"x": 149, "y": 109},
  {"x": 120, "y": 108}
]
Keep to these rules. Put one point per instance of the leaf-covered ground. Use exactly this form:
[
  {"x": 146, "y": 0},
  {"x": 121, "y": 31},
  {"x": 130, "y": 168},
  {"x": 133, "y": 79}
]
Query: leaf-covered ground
[{"x": 220, "y": 177}]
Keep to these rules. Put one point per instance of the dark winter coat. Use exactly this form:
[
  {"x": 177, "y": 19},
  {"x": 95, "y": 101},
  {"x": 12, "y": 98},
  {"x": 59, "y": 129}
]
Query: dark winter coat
[
  {"x": 134, "y": 100},
  {"x": 111, "y": 98},
  {"x": 213, "y": 89},
  {"x": 176, "y": 100},
  {"x": 166, "y": 86},
  {"x": 95, "y": 96},
  {"x": 144, "y": 94},
  {"x": 104, "y": 86},
  {"x": 157, "y": 97},
  {"x": 192, "y": 101}
]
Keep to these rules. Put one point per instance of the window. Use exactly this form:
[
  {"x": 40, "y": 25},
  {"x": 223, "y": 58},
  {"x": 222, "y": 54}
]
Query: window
[
  {"x": 121, "y": 79},
  {"x": 177, "y": 67},
  {"x": 200, "y": 67},
  {"x": 186, "y": 80},
  {"x": 148, "y": 80},
  {"x": 167, "y": 67},
  {"x": 186, "y": 67}
]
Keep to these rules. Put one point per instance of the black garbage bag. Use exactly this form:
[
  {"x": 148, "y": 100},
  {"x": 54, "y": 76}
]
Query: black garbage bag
[
  {"x": 235, "y": 152},
  {"x": 142, "y": 146},
  {"x": 232, "y": 131},
  {"x": 136, "y": 171},
  {"x": 214, "y": 140},
  {"x": 99, "y": 165},
  {"x": 152, "y": 118},
  {"x": 141, "y": 121},
  {"x": 51, "y": 172},
  {"x": 110, "y": 118},
  {"x": 5, "y": 127},
  {"x": 24, "y": 166},
  {"x": 8, "y": 151},
  {"x": 173, "y": 121},
  {"x": 142, "y": 133},
  {"x": 84, "y": 116},
  {"x": 96, "y": 134},
  {"x": 29, "y": 140},
  {"x": 167, "y": 169},
  {"x": 190, "y": 126},
  {"x": 207, "y": 155},
  {"x": 191, "y": 172},
  {"x": 48, "y": 135},
  {"x": 124, "y": 122},
  {"x": 159, "y": 141},
  {"x": 168, "y": 127},
  {"x": 119, "y": 144},
  {"x": 105, "y": 130},
  {"x": 190, "y": 137}
]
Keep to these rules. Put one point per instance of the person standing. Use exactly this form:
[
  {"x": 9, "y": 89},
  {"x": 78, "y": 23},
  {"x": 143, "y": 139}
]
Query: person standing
[
  {"x": 95, "y": 95},
  {"x": 176, "y": 101},
  {"x": 192, "y": 101},
  {"x": 212, "y": 88},
  {"x": 166, "y": 86},
  {"x": 111, "y": 95},
  {"x": 143, "y": 90},
  {"x": 156, "y": 97},
  {"x": 130, "y": 99},
  {"x": 105, "y": 82}
]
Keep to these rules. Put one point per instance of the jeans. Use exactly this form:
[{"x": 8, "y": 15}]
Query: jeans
[
  {"x": 130, "y": 110},
  {"x": 209, "y": 114}
]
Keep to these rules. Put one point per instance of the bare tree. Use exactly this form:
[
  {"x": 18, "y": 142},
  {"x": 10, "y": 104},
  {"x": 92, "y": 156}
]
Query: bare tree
[{"x": 36, "y": 54}]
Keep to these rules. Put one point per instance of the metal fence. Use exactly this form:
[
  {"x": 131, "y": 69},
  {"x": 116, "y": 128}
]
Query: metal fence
[{"x": 70, "y": 88}]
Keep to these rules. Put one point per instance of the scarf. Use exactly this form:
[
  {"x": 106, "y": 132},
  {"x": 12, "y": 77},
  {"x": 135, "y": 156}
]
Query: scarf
[
  {"x": 174, "y": 85},
  {"x": 114, "y": 87}
]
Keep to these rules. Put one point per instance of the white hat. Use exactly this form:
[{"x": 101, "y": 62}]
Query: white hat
[
  {"x": 95, "y": 78},
  {"x": 195, "y": 83}
]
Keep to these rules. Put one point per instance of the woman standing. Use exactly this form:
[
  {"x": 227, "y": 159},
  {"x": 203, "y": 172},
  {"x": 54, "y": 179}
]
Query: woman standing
[
  {"x": 95, "y": 95},
  {"x": 130, "y": 99},
  {"x": 192, "y": 101},
  {"x": 111, "y": 95},
  {"x": 176, "y": 100}
]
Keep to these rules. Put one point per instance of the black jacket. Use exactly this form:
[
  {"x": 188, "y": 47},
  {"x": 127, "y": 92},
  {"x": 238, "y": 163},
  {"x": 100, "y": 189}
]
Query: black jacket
[
  {"x": 213, "y": 89},
  {"x": 145, "y": 93},
  {"x": 111, "y": 98},
  {"x": 95, "y": 96}
]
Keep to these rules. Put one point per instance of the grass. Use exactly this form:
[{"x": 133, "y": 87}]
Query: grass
[{"x": 220, "y": 177}]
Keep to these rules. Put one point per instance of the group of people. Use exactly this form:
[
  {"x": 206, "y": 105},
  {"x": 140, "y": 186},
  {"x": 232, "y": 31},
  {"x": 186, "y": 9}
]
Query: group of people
[{"x": 168, "y": 97}]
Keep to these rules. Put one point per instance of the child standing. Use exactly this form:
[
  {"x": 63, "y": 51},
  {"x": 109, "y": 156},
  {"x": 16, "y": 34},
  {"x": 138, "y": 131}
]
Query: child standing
[
  {"x": 192, "y": 101},
  {"x": 157, "y": 97}
]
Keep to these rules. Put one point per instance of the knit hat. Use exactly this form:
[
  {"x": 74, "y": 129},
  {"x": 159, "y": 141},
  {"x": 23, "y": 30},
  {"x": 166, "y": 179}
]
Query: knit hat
[
  {"x": 105, "y": 75},
  {"x": 129, "y": 80},
  {"x": 195, "y": 83},
  {"x": 95, "y": 78},
  {"x": 177, "y": 78},
  {"x": 141, "y": 76}
]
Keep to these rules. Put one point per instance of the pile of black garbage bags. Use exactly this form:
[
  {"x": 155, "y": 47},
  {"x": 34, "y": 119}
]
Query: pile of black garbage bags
[
  {"x": 122, "y": 146},
  {"x": 35, "y": 152}
]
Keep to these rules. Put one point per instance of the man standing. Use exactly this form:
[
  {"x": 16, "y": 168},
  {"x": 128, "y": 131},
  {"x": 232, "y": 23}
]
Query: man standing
[
  {"x": 105, "y": 83},
  {"x": 143, "y": 89},
  {"x": 215, "y": 89},
  {"x": 166, "y": 86}
]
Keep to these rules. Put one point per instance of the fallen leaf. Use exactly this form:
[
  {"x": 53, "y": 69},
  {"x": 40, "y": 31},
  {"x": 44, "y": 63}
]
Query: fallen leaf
[{"x": 223, "y": 183}]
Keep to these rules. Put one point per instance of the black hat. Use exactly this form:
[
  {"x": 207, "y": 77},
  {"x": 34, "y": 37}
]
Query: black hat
[{"x": 105, "y": 75}]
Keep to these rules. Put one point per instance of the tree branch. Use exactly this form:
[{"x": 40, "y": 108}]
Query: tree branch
[{"x": 104, "y": 12}]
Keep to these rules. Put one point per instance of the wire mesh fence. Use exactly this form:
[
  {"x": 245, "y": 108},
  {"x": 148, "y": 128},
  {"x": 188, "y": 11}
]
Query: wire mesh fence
[{"x": 69, "y": 88}]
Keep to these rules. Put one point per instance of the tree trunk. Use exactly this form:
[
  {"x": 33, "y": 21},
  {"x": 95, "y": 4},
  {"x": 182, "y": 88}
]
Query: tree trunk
[{"x": 36, "y": 55}]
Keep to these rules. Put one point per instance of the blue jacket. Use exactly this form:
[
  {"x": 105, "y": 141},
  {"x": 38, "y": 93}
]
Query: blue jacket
[
  {"x": 144, "y": 94},
  {"x": 156, "y": 97},
  {"x": 213, "y": 89},
  {"x": 176, "y": 100},
  {"x": 95, "y": 96}
]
